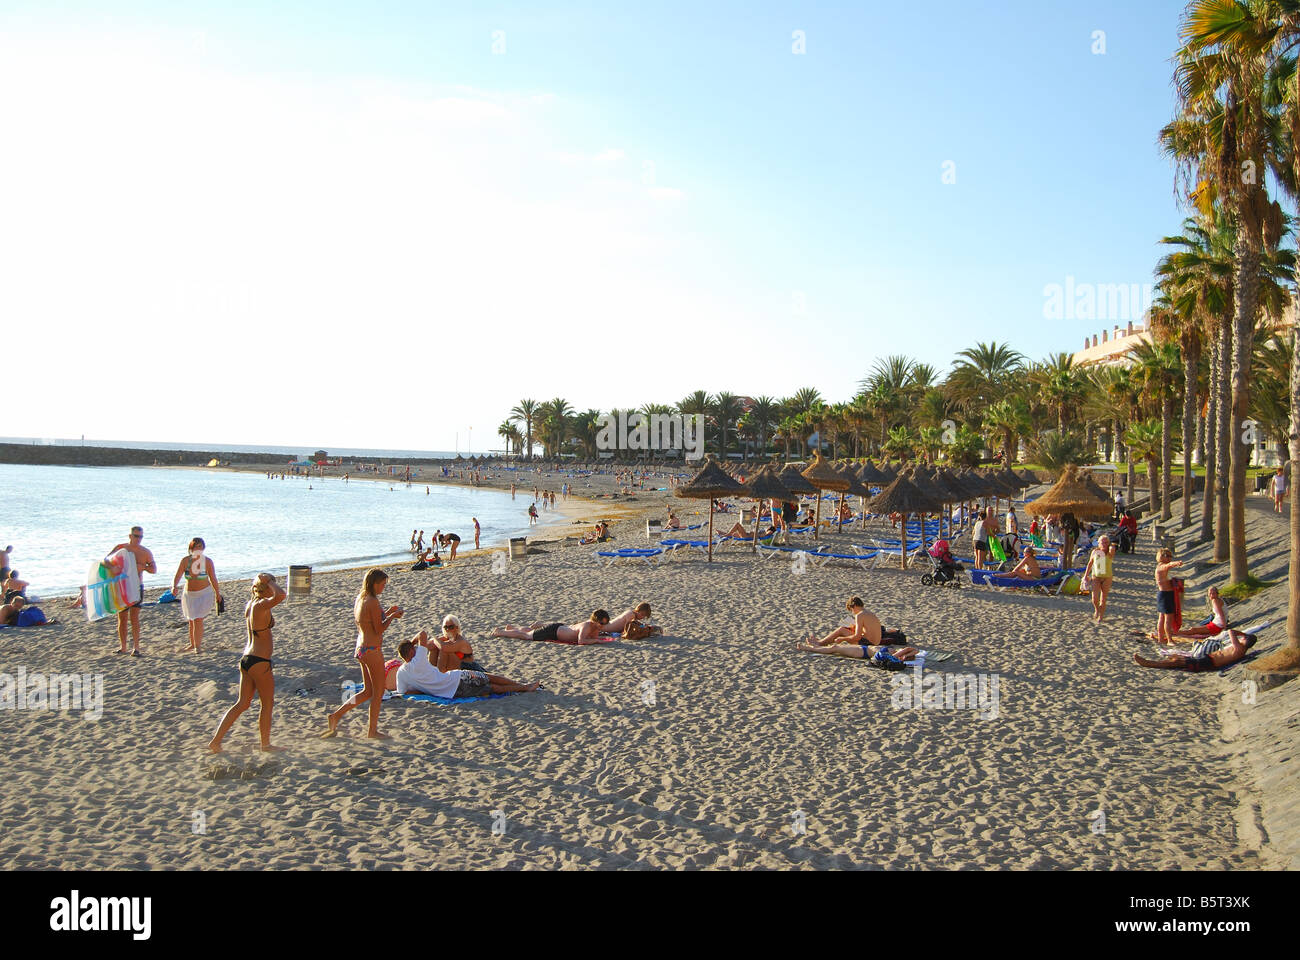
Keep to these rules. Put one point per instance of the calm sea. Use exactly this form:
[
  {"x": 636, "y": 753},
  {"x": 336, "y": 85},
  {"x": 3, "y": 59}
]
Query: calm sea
[{"x": 62, "y": 519}]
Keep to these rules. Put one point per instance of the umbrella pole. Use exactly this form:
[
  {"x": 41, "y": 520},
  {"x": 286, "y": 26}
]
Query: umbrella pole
[
  {"x": 903, "y": 552},
  {"x": 817, "y": 518},
  {"x": 710, "y": 529},
  {"x": 758, "y": 508},
  {"x": 841, "y": 530}
]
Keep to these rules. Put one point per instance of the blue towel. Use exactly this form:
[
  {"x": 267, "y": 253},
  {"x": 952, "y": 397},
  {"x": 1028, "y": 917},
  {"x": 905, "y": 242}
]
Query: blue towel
[{"x": 428, "y": 698}]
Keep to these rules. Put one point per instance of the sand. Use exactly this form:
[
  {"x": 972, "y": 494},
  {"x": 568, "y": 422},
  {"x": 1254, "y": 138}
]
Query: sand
[{"x": 747, "y": 754}]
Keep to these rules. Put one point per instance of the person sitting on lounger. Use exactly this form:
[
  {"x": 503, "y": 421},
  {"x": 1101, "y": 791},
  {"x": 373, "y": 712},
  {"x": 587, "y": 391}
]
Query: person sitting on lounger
[
  {"x": 419, "y": 674},
  {"x": 1213, "y": 653},
  {"x": 588, "y": 631},
  {"x": 673, "y": 522},
  {"x": 1027, "y": 568}
]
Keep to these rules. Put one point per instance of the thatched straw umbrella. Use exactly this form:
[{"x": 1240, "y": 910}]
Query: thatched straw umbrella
[
  {"x": 854, "y": 489},
  {"x": 902, "y": 496},
  {"x": 887, "y": 473},
  {"x": 1070, "y": 495},
  {"x": 924, "y": 481},
  {"x": 710, "y": 483},
  {"x": 823, "y": 476},
  {"x": 764, "y": 485}
]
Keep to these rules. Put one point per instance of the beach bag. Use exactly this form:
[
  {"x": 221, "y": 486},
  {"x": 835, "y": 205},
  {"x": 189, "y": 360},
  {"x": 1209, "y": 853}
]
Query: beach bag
[
  {"x": 1071, "y": 585},
  {"x": 1085, "y": 584},
  {"x": 892, "y": 636},
  {"x": 31, "y": 617},
  {"x": 169, "y": 597},
  {"x": 636, "y": 630}
]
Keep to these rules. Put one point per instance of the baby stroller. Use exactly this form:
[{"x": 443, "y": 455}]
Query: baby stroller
[{"x": 944, "y": 569}]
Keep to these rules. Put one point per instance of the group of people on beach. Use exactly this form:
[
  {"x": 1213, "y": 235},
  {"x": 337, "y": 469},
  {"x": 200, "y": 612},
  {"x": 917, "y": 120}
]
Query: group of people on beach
[{"x": 441, "y": 666}]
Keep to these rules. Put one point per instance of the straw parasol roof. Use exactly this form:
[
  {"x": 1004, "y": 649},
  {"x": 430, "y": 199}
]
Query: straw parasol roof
[
  {"x": 1071, "y": 495},
  {"x": 871, "y": 476},
  {"x": 1093, "y": 485},
  {"x": 957, "y": 485},
  {"x": 710, "y": 483},
  {"x": 975, "y": 484},
  {"x": 903, "y": 496},
  {"x": 887, "y": 473},
  {"x": 856, "y": 487},
  {"x": 794, "y": 481},
  {"x": 765, "y": 484},
  {"x": 824, "y": 476}
]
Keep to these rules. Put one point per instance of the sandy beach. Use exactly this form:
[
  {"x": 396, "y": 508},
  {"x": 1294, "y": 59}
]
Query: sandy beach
[{"x": 714, "y": 746}]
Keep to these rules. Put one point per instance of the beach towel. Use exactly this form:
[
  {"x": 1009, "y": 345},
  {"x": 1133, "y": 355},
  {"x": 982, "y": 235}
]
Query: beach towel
[{"x": 447, "y": 701}]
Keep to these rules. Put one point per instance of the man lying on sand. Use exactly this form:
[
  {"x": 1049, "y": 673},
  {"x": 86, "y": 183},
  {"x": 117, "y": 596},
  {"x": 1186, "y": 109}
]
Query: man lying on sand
[
  {"x": 588, "y": 631},
  {"x": 419, "y": 674},
  {"x": 1214, "y": 653}
]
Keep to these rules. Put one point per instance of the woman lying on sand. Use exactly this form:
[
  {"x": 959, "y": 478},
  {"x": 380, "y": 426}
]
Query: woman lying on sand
[
  {"x": 372, "y": 620},
  {"x": 255, "y": 665},
  {"x": 630, "y": 624},
  {"x": 588, "y": 631},
  {"x": 419, "y": 674},
  {"x": 1213, "y": 653}
]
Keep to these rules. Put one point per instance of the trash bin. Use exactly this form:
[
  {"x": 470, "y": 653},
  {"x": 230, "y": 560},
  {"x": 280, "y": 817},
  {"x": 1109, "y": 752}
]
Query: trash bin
[
  {"x": 654, "y": 529},
  {"x": 299, "y": 582},
  {"x": 518, "y": 548}
]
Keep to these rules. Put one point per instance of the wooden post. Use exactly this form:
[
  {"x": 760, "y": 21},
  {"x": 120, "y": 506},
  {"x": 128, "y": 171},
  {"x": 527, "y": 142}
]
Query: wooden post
[{"x": 710, "y": 529}]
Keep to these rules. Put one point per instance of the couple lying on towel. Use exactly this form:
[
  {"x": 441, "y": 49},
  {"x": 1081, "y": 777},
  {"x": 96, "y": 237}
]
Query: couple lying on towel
[
  {"x": 865, "y": 639},
  {"x": 629, "y": 625},
  {"x": 429, "y": 672}
]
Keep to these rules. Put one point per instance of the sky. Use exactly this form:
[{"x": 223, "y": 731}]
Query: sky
[{"x": 382, "y": 225}]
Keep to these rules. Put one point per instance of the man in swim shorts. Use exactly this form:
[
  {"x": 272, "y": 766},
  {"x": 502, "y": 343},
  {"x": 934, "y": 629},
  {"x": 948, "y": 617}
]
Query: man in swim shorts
[
  {"x": 1212, "y": 653},
  {"x": 588, "y": 631},
  {"x": 144, "y": 563}
]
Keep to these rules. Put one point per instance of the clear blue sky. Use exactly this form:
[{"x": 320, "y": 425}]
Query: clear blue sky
[{"x": 670, "y": 181}]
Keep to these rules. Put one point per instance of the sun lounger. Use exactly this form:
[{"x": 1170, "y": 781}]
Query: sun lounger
[
  {"x": 998, "y": 581},
  {"x": 649, "y": 555}
]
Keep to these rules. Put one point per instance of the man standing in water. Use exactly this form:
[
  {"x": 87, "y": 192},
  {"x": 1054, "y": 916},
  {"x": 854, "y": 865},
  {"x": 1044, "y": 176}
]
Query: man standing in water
[{"x": 144, "y": 563}]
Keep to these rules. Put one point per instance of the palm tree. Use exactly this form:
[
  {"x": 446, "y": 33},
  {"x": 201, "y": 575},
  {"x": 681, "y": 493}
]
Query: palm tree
[
  {"x": 1158, "y": 368},
  {"x": 726, "y": 409},
  {"x": 1054, "y": 450},
  {"x": 1224, "y": 56},
  {"x": 526, "y": 410},
  {"x": 1008, "y": 418},
  {"x": 695, "y": 404},
  {"x": 803, "y": 400},
  {"x": 984, "y": 374},
  {"x": 1143, "y": 439},
  {"x": 764, "y": 415},
  {"x": 586, "y": 427}
]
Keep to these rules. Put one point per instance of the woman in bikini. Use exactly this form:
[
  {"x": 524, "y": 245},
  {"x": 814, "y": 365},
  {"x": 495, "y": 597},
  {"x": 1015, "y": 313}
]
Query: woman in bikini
[
  {"x": 255, "y": 665},
  {"x": 1218, "y": 622},
  {"x": 202, "y": 592},
  {"x": 372, "y": 620},
  {"x": 454, "y": 651},
  {"x": 1101, "y": 567}
]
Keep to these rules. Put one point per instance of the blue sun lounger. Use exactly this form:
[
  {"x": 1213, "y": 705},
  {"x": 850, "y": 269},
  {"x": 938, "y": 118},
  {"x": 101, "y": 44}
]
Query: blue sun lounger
[{"x": 647, "y": 554}]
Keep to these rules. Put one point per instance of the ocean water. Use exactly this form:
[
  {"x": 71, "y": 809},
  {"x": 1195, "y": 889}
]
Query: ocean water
[{"x": 60, "y": 520}]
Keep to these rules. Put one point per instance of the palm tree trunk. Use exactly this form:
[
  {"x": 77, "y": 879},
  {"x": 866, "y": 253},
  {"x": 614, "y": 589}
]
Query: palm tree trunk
[
  {"x": 1131, "y": 474},
  {"x": 1221, "y": 453},
  {"x": 1209, "y": 446},
  {"x": 1243, "y": 340},
  {"x": 1166, "y": 456},
  {"x": 1293, "y": 608},
  {"x": 1191, "y": 359}
]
